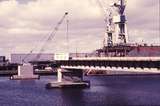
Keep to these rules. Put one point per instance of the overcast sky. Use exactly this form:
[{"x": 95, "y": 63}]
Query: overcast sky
[{"x": 25, "y": 24}]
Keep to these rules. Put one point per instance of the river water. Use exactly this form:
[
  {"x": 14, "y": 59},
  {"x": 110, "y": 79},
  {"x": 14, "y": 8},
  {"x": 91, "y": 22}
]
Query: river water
[{"x": 104, "y": 91}]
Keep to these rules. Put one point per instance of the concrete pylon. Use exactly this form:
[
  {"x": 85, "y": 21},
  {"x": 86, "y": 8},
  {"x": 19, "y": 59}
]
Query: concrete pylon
[
  {"x": 59, "y": 75},
  {"x": 25, "y": 72},
  {"x": 19, "y": 70}
]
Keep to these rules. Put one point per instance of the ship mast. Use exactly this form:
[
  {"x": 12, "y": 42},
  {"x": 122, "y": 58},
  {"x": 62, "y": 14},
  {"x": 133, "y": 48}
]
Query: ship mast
[{"x": 116, "y": 31}]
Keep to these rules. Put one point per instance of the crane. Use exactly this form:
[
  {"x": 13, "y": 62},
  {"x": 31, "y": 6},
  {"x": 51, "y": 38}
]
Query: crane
[
  {"x": 50, "y": 37},
  {"x": 107, "y": 12},
  {"x": 116, "y": 30},
  {"x": 101, "y": 6}
]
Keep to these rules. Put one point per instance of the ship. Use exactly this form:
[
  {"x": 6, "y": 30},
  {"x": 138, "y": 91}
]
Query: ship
[{"x": 116, "y": 41}]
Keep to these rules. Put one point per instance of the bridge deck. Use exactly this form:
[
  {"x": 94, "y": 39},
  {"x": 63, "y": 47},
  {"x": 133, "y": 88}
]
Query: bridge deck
[
  {"x": 119, "y": 58},
  {"x": 135, "y": 62}
]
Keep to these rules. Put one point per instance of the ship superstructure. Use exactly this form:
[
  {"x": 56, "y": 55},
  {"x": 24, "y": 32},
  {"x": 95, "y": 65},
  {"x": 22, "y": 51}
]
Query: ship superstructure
[
  {"x": 116, "y": 42},
  {"x": 116, "y": 31}
]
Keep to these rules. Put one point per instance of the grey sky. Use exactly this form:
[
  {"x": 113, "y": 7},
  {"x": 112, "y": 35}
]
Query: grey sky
[{"x": 24, "y": 23}]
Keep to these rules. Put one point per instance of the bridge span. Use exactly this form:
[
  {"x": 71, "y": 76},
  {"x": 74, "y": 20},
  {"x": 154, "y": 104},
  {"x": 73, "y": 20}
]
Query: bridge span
[
  {"x": 112, "y": 62},
  {"x": 75, "y": 67},
  {"x": 71, "y": 71}
]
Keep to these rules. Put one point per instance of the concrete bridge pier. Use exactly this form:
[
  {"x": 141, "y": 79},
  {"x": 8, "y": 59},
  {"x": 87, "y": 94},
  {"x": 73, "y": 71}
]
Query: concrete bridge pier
[
  {"x": 24, "y": 72},
  {"x": 59, "y": 75},
  {"x": 69, "y": 79}
]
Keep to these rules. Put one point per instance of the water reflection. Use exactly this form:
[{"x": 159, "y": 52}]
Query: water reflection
[
  {"x": 73, "y": 97},
  {"x": 124, "y": 91}
]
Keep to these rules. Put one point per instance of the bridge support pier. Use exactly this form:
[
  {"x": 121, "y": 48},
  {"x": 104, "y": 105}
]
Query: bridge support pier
[
  {"x": 69, "y": 79},
  {"x": 24, "y": 72},
  {"x": 59, "y": 75}
]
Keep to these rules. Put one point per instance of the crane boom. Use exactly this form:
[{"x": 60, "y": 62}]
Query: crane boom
[
  {"x": 51, "y": 36},
  {"x": 53, "y": 33},
  {"x": 101, "y": 7}
]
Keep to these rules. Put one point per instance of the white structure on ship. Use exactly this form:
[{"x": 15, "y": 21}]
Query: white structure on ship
[{"x": 116, "y": 31}]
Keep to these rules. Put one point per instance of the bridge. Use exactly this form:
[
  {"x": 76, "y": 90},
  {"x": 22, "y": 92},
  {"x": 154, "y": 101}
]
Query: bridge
[
  {"x": 121, "y": 62},
  {"x": 71, "y": 71},
  {"x": 146, "y": 64},
  {"x": 76, "y": 66}
]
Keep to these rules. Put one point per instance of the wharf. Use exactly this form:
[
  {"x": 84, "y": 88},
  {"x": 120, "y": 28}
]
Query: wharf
[{"x": 8, "y": 72}]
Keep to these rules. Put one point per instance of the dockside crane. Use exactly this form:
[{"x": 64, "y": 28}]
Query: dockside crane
[
  {"x": 115, "y": 20},
  {"x": 107, "y": 12},
  {"x": 49, "y": 38},
  {"x": 101, "y": 6}
]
